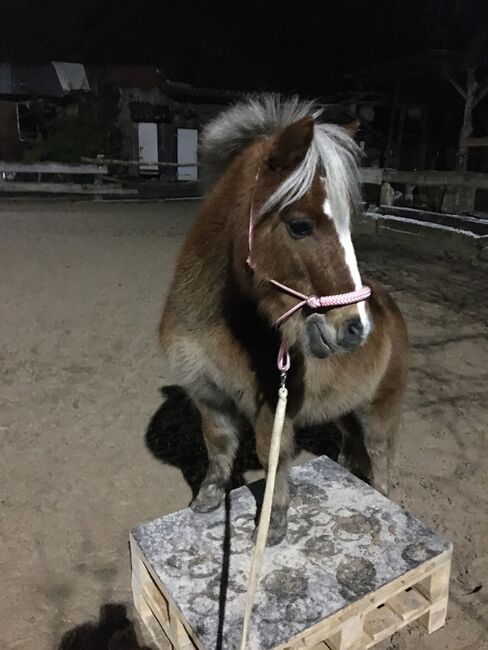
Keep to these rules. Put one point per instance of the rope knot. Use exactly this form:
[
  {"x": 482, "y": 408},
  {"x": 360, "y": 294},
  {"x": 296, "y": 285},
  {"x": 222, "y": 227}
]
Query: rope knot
[{"x": 314, "y": 302}]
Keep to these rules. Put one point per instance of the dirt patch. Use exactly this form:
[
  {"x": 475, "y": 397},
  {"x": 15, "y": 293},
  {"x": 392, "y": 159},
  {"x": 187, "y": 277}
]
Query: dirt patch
[{"x": 82, "y": 286}]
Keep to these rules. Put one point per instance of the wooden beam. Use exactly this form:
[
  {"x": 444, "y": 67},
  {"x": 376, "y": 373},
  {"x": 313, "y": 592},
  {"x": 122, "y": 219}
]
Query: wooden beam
[
  {"x": 423, "y": 141},
  {"x": 371, "y": 175},
  {"x": 51, "y": 168},
  {"x": 476, "y": 142},
  {"x": 127, "y": 163},
  {"x": 433, "y": 177},
  {"x": 398, "y": 143},
  {"x": 62, "y": 188}
]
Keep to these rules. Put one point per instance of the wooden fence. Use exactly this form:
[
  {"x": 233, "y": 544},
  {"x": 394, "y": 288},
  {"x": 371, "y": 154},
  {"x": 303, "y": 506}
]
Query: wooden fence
[
  {"x": 33, "y": 179},
  {"x": 459, "y": 188}
]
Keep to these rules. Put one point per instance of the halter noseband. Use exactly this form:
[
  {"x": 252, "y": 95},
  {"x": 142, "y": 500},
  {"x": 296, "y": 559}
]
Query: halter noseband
[{"x": 312, "y": 302}]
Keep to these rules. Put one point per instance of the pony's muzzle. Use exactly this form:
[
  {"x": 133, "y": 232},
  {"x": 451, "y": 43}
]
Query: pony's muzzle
[
  {"x": 324, "y": 336},
  {"x": 319, "y": 337}
]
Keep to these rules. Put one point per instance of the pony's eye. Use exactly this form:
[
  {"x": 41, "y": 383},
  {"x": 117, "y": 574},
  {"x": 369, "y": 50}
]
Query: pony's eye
[{"x": 300, "y": 228}]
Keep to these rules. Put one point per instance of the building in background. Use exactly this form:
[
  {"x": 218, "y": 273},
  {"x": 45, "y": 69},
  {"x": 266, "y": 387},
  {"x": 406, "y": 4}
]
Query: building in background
[
  {"x": 30, "y": 97},
  {"x": 417, "y": 113},
  {"x": 68, "y": 111},
  {"x": 424, "y": 111}
]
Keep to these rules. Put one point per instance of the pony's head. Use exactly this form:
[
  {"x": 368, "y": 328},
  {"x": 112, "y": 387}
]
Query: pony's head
[{"x": 297, "y": 180}]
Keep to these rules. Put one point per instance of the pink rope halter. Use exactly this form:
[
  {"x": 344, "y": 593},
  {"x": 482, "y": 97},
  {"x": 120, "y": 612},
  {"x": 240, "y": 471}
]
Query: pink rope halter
[{"x": 312, "y": 302}]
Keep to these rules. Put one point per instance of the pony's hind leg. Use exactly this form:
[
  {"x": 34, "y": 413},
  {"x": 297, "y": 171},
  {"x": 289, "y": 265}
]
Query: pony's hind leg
[
  {"x": 353, "y": 455},
  {"x": 368, "y": 444},
  {"x": 281, "y": 496},
  {"x": 220, "y": 431}
]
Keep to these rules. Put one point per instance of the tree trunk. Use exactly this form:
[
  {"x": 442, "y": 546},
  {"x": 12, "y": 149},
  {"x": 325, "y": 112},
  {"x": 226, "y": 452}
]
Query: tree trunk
[{"x": 467, "y": 126}]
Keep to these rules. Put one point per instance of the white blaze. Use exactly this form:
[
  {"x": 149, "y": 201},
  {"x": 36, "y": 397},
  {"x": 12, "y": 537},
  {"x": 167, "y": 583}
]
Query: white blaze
[{"x": 345, "y": 240}]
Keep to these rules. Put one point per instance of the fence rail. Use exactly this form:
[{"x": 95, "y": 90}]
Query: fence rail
[
  {"x": 10, "y": 184},
  {"x": 51, "y": 168},
  {"x": 432, "y": 177},
  {"x": 458, "y": 188},
  {"x": 129, "y": 163}
]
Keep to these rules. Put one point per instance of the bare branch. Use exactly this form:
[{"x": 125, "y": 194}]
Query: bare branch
[
  {"x": 483, "y": 89},
  {"x": 454, "y": 83}
]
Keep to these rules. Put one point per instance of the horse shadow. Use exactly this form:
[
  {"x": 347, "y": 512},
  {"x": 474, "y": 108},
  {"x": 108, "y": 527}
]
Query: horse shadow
[
  {"x": 113, "y": 631},
  {"x": 174, "y": 436}
]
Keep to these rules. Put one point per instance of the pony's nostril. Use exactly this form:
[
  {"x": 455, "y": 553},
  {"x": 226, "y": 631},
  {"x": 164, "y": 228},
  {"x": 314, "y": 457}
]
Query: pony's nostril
[
  {"x": 353, "y": 332},
  {"x": 355, "y": 327}
]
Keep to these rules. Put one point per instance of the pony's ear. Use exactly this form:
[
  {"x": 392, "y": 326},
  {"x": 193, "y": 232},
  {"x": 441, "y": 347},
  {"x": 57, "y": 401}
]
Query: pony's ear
[
  {"x": 291, "y": 145},
  {"x": 352, "y": 127}
]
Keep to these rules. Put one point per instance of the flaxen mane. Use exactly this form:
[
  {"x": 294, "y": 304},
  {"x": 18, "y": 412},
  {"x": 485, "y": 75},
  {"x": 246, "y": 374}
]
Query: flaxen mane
[{"x": 333, "y": 151}]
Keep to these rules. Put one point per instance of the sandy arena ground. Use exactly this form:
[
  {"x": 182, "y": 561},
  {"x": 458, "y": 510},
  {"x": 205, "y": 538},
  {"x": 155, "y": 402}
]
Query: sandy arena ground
[{"x": 84, "y": 426}]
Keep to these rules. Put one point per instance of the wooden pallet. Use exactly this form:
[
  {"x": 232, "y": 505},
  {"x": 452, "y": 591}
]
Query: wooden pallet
[{"x": 420, "y": 593}]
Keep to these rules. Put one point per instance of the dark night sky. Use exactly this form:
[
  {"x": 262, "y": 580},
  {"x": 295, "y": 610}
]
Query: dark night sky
[{"x": 305, "y": 46}]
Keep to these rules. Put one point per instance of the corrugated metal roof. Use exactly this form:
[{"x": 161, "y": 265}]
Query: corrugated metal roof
[
  {"x": 42, "y": 80},
  {"x": 36, "y": 80},
  {"x": 72, "y": 76}
]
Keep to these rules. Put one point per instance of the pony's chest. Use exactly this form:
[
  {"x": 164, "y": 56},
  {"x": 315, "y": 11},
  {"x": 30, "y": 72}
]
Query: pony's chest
[
  {"x": 328, "y": 394},
  {"x": 324, "y": 407}
]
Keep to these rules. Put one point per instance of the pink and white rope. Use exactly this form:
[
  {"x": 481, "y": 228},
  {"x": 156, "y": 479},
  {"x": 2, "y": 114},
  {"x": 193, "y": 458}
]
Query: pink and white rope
[{"x": 320, "y": 302}]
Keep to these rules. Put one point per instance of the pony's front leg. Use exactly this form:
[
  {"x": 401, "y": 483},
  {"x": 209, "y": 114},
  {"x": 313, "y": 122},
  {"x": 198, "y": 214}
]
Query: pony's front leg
[
  {"x": 281, "y": 496},
  {"x": 380, "y": 429},
  {"x": 220, "y": 432},
  {"x": 368, "y": 443}
]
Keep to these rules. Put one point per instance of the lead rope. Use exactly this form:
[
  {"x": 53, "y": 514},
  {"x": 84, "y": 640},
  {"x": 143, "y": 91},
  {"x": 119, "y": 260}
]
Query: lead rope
[
  {"x": 313, "y": 302},
  {"x": 274, "y": 455},
  {"x": 264, "y": 519}
]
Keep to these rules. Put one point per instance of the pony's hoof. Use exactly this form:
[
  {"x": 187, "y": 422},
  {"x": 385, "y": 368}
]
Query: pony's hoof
[
  {"x": 381, "y": 486},
  {"x": 209, "y": 498},
  {"x": 341, "y": 459},
  {"x": 276, "y": 536},
  {"x": 277, "y": 529},
  {"x": 293, "y": 489}
]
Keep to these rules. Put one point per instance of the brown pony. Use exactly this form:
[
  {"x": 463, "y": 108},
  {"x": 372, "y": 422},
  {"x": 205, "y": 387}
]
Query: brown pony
[{"x": 299, "y": 180}]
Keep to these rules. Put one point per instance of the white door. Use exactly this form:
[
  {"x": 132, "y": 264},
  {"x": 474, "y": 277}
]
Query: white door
[
  {"x": 187, "y": 154},
  {"x": 148, "y": 147}
]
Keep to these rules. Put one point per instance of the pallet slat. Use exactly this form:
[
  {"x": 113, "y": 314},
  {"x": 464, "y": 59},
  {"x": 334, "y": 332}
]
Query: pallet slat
[
  {"x": 150, "y": 597},
  {"x": 381, "y": 623},
  {"x": 408, "y": 605},
  {"x": 150, "y": 621}
]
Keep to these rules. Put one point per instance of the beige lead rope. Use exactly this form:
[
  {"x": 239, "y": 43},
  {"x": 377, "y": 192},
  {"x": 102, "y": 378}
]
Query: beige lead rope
[
  {"x": 314, "y": 303},
  {"x": 257, "y": 560}
]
